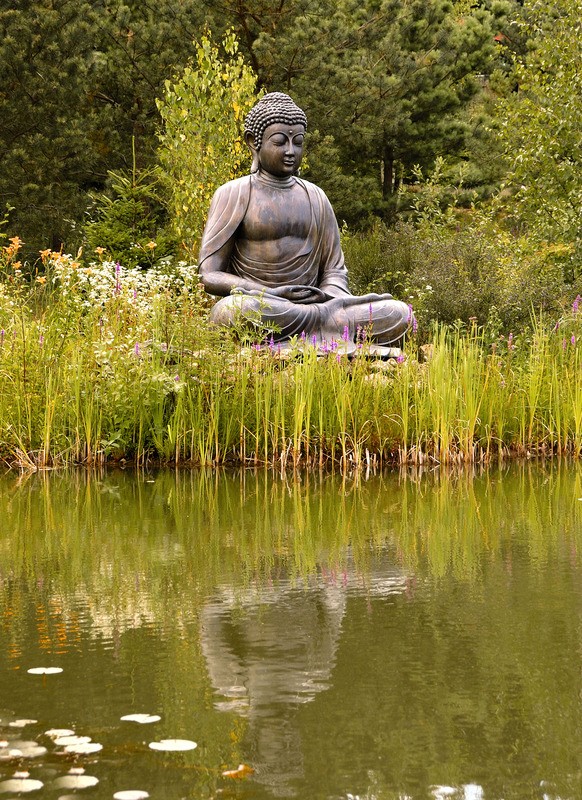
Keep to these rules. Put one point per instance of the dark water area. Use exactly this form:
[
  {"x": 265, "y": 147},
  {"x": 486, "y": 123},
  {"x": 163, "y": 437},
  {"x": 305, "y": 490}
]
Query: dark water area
[{"x": 401, "y": 636}]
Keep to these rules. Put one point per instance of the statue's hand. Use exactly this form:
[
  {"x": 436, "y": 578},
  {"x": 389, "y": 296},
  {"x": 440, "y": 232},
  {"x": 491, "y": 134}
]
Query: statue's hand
[
  {"x": 300, "y": 294},
  {"x": 295, "y": 294}
]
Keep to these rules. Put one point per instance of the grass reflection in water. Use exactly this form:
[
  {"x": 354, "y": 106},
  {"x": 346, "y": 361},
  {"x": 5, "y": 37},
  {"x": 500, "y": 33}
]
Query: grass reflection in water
[{"x": 371, "y": 637}]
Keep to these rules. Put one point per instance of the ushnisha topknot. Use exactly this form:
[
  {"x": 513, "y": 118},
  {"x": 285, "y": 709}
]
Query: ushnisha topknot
[{"x": 273, "y": 107}]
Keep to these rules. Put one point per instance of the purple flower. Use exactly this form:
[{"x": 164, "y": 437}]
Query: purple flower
[
  {"x": 2, "y": 335},
  {"x": 257, "y": 347},
  {"x": 410, "y": 314},
  {"x": 272, "y": 343},
  {"x": 510, "y": 345},
  {"x": 41, "y": 340},
  {"x": 135, "y": 294},
  {"x": 136, "y": 349},
  {"x": 557, "y": 326},
  {"x": 303, "y": 336},
  {"x": 346, "y": 334},
  {"x": 573, "y": 341},
  {"x": 576, "y": 304},
  {"x": 401, "y": 358},
  {"x": 333, "y": 346},
  {"x": 176, "y": 378},
  {"x": 325, "y": 346},
  {"x": 414, "y": 325},
  {"x": 564, "y": 344},
  {"x": 314, "y": 340}
]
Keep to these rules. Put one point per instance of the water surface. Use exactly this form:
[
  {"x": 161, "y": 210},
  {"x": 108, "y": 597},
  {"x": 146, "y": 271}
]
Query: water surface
[{"x": 402, "y": 636}]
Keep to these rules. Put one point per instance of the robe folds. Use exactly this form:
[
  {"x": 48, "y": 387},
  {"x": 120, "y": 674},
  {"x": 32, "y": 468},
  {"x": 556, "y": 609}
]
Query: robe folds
[{"x": 318, "y": 261}]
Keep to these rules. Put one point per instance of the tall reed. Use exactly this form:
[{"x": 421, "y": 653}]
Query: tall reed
[{"x": 102, "y": 363}]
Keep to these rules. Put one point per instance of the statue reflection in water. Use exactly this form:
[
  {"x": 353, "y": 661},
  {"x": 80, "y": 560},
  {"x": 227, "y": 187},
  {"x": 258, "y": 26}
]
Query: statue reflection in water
[
  {"x": 267, "y": 657},
  {"x": 270, "y": 651}
]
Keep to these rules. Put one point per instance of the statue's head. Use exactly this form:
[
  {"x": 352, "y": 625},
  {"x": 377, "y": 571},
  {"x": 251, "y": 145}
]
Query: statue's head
[{"x": 274, "y": 113}]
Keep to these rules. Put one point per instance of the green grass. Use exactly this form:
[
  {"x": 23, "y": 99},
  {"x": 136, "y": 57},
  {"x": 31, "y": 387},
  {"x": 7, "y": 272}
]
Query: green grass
[{"x": 101, "y": 364}]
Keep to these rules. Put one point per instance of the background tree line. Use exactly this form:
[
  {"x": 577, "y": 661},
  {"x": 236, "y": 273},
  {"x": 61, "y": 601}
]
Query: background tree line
[{"x": 488, "y": 93}]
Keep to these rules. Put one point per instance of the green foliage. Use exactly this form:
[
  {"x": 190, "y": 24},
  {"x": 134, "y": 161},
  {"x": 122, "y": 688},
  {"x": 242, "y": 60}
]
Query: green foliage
[
  {"x": 539, "y": 127},
  {"x": 385, "y": 85},
  {"x": 78, "y": 85},
  {"x": 130, "y": 223},
  {"x": 201, "y": 144},
  {"x": 46, "y": 119},
  {"x": 455, "y": 264}
]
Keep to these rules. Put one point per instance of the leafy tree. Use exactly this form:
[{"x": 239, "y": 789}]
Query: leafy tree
[
  {"x": 385, "y": 83},
  {"x": 46, "y": 153},
  {"x": 201, "y": 145},
  {"x": 540, "y": 130},
  {"x": 78, "y": 85}
]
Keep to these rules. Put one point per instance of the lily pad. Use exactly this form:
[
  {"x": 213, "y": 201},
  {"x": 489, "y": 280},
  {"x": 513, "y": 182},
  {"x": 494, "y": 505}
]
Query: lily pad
[
  {"x": 55, "y": 733},
  {"x": 143, "y": 719},
  {"x": 84, "y": 749},
  {"x": 44, "y": 670},
  {"x": 131, "y": 794},
  {"x": 20, "y": 785},
  {"x": 75, "y": 782},
  {"x": 21, "y": 723},
  {"x": 28, "y": 749},
  {"x": 65, "y": 741},
  {"x": 173, "y": 745}
]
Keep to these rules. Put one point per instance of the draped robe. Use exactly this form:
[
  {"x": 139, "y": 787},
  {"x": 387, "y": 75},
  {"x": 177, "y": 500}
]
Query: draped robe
[{"x": 317, "y": 261}]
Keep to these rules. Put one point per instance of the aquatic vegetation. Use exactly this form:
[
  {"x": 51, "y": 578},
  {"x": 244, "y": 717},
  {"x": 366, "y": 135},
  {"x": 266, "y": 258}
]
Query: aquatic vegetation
[{"x": 173, "y": 745}]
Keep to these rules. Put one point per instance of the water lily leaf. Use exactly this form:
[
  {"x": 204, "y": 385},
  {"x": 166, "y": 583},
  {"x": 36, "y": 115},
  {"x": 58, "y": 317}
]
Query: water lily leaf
[
  {"x": 84, "y": 749},
  {"x": 21, "y": 723},
  {"x": 28, "y": 749},
  {"x": 143, "y": 719},
  {"x": 75, "y": 782},
  {"x": 20, "y": 785},
  {"x": 55, "y": 733},
  {"x": 173, "y": 744},
  {"x": 44, "y": 670},
  {"x": 131, "y": 794},
  {"x": 242, "y": 771},
  {"x": 64, "y": 741}
]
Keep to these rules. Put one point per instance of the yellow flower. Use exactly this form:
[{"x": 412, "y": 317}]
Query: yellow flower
[
  {"x": 41, "y": 279},
  {"x": 99, "y": 250},
  {"x": 17, "y": 265},
  {"x": 45, "y": 254},
  {"x": 151, "y": 245}
]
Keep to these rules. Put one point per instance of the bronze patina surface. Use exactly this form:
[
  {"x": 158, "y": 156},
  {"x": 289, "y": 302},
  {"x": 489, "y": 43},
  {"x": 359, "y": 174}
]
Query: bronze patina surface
[{"x": 271, "y": 247}]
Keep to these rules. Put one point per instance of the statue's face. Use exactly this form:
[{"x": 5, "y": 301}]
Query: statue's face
[{"x": 281, "y": 150}]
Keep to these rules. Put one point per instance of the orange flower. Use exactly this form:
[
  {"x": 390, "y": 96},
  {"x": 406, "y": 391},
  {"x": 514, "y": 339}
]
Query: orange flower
[
  {"x": 41, "y": 279},
  {"x": 151, "y": 245},
  {"x": 99, "y": 250}
]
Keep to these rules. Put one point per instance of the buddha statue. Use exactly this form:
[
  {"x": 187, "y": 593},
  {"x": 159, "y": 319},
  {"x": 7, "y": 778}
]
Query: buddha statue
[{"x": 271, "y": 247}]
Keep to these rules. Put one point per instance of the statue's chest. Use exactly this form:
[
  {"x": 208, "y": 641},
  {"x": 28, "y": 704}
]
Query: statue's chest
[{"x": 277, "y": 213}]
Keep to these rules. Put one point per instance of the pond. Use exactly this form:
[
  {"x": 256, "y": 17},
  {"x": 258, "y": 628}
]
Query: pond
[{"x": 403, "y": 635}]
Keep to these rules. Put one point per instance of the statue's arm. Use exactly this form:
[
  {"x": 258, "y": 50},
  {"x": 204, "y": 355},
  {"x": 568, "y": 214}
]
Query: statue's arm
[{"x": 215, "y": 275}]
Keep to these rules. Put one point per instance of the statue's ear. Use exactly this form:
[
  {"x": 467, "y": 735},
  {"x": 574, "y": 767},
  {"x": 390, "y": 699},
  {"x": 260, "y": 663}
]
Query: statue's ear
[{"x": 250, "y": 141}]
